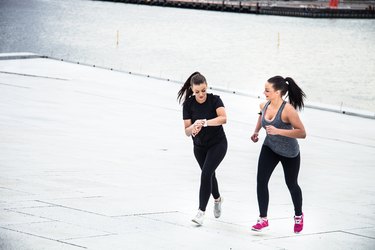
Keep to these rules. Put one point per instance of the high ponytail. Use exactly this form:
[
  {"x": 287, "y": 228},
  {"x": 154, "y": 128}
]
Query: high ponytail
[
  {"x": 288, "y": 85},
  {"x": 295, "y": 93},
  {"x": 186, "y": 91}
]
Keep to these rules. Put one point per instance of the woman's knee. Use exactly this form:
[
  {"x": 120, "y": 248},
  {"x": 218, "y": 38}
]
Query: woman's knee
[
  {"x": 206, "y": 174},
  {"x": 293, "y": 187}
]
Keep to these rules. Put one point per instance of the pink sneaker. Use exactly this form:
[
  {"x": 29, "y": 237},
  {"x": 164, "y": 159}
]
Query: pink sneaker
[
  {"x": 262, "y": 224},
  {"x": 298, "y": 223}
]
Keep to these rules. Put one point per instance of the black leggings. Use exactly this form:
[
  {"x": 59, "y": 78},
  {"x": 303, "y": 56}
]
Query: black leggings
[
  {"x": 267, "y": 163},
  {"x": 209, "y": 159}
]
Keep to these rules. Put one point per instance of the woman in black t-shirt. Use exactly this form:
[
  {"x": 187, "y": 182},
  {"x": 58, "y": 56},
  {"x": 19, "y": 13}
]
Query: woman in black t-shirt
[{"x": 204, "y": 114}]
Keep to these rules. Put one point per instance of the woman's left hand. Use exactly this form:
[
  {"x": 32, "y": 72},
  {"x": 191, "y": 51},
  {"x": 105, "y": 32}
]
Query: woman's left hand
[{"x": 271, "y": 130}]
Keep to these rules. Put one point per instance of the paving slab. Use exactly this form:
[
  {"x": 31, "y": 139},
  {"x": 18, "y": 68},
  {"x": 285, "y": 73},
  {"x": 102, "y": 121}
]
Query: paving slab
[
  {"x": 10, "y": 239},
  {"x": 97, "y": 159}
]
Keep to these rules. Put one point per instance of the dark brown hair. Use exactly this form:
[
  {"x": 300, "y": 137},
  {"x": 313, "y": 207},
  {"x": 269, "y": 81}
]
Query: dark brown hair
[
  {"x": 185, "y": 92},
  {"x": 288, "y": 85}
]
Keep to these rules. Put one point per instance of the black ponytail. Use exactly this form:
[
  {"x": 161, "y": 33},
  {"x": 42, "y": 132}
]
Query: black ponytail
[
  {"x": 186, "y": 91},
  {"x": 288, "y": 85},
  {"x": 295, "y": 93}
]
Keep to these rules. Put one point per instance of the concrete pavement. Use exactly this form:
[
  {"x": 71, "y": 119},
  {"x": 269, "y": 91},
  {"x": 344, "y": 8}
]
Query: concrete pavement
[{"x": 97, "y": 159}]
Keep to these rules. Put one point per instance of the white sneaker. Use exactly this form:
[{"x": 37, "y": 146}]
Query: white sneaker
[
  {"x": 217, "y": 207},
  {"x": 199, "y": 217}
]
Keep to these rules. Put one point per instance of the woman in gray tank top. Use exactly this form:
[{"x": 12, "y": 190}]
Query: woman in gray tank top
[{"x": 283, "y": 126}]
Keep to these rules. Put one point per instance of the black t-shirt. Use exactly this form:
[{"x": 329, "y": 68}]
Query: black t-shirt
[{"x": 193, "y": 110}]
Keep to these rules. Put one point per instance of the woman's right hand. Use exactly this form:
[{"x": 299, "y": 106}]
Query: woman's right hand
[
  {"x": 196, "y": 130},
  {"x": 197, "y": 127},
  {"x": 255, "y": 137}
]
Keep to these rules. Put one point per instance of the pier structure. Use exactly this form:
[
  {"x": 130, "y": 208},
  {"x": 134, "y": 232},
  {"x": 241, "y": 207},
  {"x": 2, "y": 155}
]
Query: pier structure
[{"x": 309, "y": 9}]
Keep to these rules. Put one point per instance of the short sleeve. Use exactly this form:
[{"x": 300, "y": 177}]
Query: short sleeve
[
  {"x": 218, "y": 102},
  {"x": 186, "y": 110}
]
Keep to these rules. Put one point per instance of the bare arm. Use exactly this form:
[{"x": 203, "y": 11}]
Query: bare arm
[
  {"x": 220, "y": 119},
  {"x": 258, "y": 126},
  {"x": 193, "y": 128},
  {"x": 254, "y": 136}
]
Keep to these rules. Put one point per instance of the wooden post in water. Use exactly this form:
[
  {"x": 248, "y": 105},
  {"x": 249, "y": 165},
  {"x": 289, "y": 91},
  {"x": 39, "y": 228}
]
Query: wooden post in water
[{"x": 117, "y": 38}]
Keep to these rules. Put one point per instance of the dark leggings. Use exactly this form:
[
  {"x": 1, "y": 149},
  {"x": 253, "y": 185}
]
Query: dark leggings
[
  {"x": 267, "y": 163},
  {"x": 209, "y": 159}
]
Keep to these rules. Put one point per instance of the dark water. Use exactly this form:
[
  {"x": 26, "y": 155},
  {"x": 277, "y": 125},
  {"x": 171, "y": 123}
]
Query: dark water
[{"x": 333, "y": 60}]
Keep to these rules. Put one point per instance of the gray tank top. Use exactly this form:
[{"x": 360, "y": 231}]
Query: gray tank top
[{"x": 282, "y": 145}]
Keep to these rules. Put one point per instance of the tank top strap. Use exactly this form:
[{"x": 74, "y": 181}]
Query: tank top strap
[
  {"x": 280, "y": 111},
  {"x": 265, "y": 107}
]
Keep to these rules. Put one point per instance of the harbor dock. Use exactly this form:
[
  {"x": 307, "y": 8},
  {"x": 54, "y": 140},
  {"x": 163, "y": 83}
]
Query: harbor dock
[{"x": 311, "y": 9}]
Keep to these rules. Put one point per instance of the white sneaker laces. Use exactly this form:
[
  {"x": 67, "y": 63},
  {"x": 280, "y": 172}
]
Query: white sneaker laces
[
  {"x": 199, "y": 214},
  {"x": 260, "y": 220}
]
